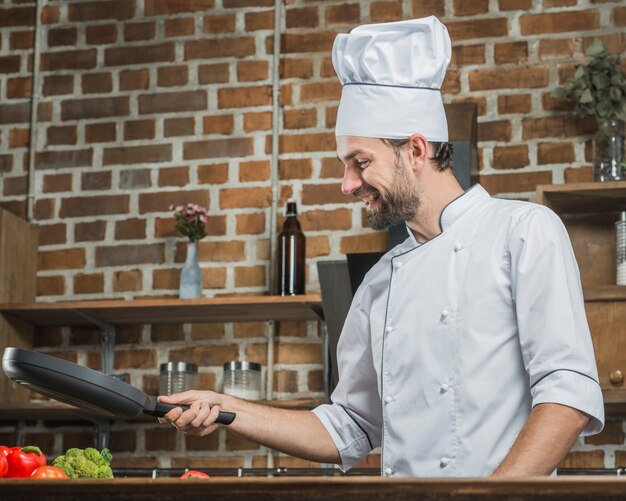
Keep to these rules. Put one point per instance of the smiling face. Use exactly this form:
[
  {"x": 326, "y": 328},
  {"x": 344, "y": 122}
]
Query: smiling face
[{"x": 381, "y": 178}]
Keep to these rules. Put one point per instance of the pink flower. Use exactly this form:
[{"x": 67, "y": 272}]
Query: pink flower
[{"x": 203, "y": 218}]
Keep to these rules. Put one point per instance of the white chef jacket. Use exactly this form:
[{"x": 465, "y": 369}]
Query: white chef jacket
[{"x": 449, "y": 344}]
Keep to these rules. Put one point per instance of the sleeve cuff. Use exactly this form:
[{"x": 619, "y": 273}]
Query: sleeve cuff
[
  {"x": 351, "y": 442},
  {"x": 575, "y": 390}
]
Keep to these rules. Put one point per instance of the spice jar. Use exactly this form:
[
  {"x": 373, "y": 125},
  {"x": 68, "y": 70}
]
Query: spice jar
[
  {"x": 176, "y": 377},
  {"x": 620, "y": 248},
  {"x": 243, "y": 380}
]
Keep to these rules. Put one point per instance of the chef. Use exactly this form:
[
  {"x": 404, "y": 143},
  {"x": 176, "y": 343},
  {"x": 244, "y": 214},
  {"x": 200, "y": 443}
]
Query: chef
[{"x": 466, "y": 351}]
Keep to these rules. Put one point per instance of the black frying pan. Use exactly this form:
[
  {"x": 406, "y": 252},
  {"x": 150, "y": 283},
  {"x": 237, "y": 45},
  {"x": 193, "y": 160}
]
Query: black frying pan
[{"x": 84, "y": 388}]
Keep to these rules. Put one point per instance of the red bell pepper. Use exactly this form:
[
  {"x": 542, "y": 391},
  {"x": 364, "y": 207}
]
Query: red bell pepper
[
  {"x": 24, "y": 460},
  {"x": 4, "y": 465}
]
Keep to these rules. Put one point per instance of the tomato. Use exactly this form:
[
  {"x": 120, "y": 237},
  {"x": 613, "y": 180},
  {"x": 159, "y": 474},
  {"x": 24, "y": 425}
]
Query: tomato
[
  {"x": 4, "y": 465},
  {"x": 23, "y": 460},
  {"x": 194, "y": 473},
  {"x": 49, "y": 472}
]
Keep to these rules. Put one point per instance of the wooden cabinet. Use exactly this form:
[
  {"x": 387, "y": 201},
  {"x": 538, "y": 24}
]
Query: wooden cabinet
[{"x": 589, "y": 212}]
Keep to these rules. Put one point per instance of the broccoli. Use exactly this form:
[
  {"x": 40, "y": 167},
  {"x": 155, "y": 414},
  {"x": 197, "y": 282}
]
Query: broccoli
[{"x": 85, "y": 463}]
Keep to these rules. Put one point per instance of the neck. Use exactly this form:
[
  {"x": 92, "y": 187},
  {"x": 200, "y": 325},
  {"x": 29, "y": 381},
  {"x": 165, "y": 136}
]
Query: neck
[{"x": 433, "y": 200}]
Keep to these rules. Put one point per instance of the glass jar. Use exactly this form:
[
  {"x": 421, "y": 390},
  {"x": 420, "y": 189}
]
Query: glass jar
[
  {"x": 176, "y": 377},
  {"x": 608, "y": 151},
  {"x": 620, "y": 248},
  {"x": 243, "y": 380}
]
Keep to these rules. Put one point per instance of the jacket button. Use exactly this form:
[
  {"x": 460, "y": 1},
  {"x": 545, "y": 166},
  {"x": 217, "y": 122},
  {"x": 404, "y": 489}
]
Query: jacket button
[
  {"x": 443, "y": 462},
  {"x": 388, "y": 471}
]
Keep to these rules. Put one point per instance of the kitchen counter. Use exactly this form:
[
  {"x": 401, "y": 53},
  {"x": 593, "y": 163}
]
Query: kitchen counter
[{"x": 306, "y": 488}]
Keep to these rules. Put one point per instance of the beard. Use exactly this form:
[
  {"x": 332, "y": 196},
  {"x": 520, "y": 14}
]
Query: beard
[{"x": 400, "y": 203}]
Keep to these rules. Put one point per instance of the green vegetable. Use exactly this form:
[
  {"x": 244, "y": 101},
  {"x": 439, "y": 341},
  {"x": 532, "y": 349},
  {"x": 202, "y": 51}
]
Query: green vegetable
[{"x": 85, "y": 463}]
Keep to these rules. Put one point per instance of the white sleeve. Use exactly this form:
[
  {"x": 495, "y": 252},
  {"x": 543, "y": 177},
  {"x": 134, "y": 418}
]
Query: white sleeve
[
  {"x": 553, "y": 329},
  {"x": 354, "y": 419}
]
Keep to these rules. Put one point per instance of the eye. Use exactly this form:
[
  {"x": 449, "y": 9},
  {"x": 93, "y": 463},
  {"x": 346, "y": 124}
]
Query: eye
[{"x": 361, "y": 164}]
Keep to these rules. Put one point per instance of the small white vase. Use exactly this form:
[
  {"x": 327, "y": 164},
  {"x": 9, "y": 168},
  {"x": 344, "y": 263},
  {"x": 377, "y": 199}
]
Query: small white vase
[{"x": 191, "y": 276}]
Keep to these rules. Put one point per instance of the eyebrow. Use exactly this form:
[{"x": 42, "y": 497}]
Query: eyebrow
[{"x": 350, "y": 155}]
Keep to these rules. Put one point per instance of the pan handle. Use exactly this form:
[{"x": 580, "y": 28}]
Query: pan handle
[{"x": 162, "y": 409}]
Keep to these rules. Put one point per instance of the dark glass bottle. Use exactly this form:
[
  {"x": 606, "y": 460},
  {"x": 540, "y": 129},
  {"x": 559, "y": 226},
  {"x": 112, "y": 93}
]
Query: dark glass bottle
[{"x": 291, "y": 254}]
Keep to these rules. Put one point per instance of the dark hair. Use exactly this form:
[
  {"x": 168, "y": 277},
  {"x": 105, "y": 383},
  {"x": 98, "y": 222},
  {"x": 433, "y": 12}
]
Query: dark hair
[{"x": 442, "y": 152}]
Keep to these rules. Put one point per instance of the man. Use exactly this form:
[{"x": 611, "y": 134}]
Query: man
[{"x": 466, "y": 350}]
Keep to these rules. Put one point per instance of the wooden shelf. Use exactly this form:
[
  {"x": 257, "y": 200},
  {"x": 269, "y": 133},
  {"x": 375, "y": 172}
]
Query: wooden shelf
[
  {"x": 588, "y": 200},
  {"x": 169, "y": 311},
  {"x": 57, "y": 411},
  {"x": 605, "y": 293}
]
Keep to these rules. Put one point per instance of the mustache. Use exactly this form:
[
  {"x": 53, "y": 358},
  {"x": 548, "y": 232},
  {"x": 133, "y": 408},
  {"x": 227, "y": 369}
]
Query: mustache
[{"x": 364, "y": 192}]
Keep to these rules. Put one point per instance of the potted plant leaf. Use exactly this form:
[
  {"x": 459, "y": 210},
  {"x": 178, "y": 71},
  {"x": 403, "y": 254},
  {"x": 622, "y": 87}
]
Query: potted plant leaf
[{"x": 599, "y": 90}]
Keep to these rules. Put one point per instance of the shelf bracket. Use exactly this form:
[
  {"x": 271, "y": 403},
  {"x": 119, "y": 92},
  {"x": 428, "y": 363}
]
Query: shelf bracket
[
  {"x": 103, "y": 432},
  {"x": 107, "y": 340}
]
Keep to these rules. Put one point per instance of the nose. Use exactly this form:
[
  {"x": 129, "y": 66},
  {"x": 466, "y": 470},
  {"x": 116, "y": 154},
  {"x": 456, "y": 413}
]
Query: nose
[{"x": 351, "y": 181}]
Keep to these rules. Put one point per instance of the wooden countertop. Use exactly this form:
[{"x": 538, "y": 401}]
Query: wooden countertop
[{"x": 317, "y": 488}]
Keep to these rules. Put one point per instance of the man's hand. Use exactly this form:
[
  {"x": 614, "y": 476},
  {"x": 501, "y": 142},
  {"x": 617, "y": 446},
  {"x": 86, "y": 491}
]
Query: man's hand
[
  {"x": 199, "y": 419},
  {"x": 545, "y": 439}
]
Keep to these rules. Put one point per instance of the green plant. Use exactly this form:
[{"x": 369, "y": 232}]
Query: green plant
[
  {"x": 599, "y": 88},
  {"x": 190, "y": 221}
]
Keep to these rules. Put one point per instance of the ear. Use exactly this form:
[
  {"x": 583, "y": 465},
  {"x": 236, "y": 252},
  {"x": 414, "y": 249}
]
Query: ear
[{"x": 418, "y": 147}]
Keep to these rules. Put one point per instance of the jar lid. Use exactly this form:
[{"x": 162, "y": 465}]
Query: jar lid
[
  {"x": 178, "y": 367},
  {"x": 622, "y": 216},
  {"x": 246, "y": 366}
]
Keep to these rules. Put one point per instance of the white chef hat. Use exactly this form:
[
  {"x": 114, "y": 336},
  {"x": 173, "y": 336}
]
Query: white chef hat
[{"x": 391, "y": 75}]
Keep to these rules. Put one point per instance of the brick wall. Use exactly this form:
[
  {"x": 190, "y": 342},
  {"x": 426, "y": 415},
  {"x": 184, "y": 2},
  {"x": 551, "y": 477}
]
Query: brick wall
[{"x": 147, "y": 103}]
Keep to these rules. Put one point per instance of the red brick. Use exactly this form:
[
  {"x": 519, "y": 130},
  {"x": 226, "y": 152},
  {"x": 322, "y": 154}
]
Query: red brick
[
  {"x": 463, "y": 55},
  {"x": 50, "y": 286},
  {"x": 213, "y": 73},
  {"x": 213, "y": 174},
  {"x": 62, "y": 159},
  {"x": 550, "y": 103},
  {"x": 14, "y": 113},
  {"x": 320, "y": 194},
  {"x": 162, "y": 7},
  {"x": 512, "y": 52},
  {"x": 231, "y": 4},
  {"x": 250, "y": 224},
  {"x": 259, "y": 21},
  {"x": 305, "y": 17},
  {"x": 173, "y": 102},
  {"x": 140, "y": 54},
  {"x": 515, "y": 103},
  {"x": 555, "y": 153},
  {"x": 451, "y": 83},
  {"x": 307, "y": 42},
  {"x": 318, "y": 220},
  {"x": 17, "y": 16},
  {"x": 88, "y": 283},
  {"x": 320, "y": 91},
  {"x": 234, "y": 198},
  {"x": 505, "y": 5},
  {"x": 123, "y": 255},
  {"x": 250, "y": 71},
  {"x": 218, "y": 124},
  {"x": 61, "y": 134},
  {"x": 94, "y": 205},
  {"x": 179, "y": 27},
  {"x": 95, "y": 11},
  {"x": 510, "y": 157},
  {"x": 257, "y": 121},
  {"x": 101, "y": 34},
  {"x": 159, "y": 202},
  {"x": 19, "y": 138},
  {"x": 296, "y": 68},
  {"x": 174, "y": 176},
  {"x": 128, "y": 281},
  {"x": 423, "y": 8},
  {"x": 343, "y": 14},
  {"x": 250, "y": 276},
  {"x": 223, "y": 23},
  {"x": 100, "y": 180},
  {"x": 19, "y": 40},
  {"x": 65, "y": 259},
  {"x": 54, "y": 183},
  {"x": 619, "y": 16},
  {"x": 295, "y": 169},
  {"x": 300, "y": 119},
  {"x": 178, "y": 126},
  {"x": 584, "y": 459},
  {"x": 298, "y": 143},
  {"x": 10, "y": 64},
  {"x": 241, "y": 97},
  {"x": 44, "y": 111},
  {"x": 221, "y": 47},
  {"x": 559, "y": 22},
  {"x": 232, "y": 147},
  {"x": 130, "y": 229},
  {"x": 134, "y": 179},
  {"x": 14, "y": 186},
  {"x": 499, "y": 130},
  {"x": 19, "y": 88},
  {"x": 69, "y": 60},
  {"x": 558, "y": 126},
  {"x": 6, "y": 163},
  {"x": 578, "y": 175},
  {"x": 134, "y": 32},
  {"x": 44, "y": 208},
  {"x": 92, "y": 231},
  {"x": 254, "y": 171},
  {"x": 465, "y": 8},
  {"x": 62, "y": 36},
  {"x": 97, "y": 107},
  {"x": 100, "y": 132},
  {"x": 52, "y": 234},
  {"x": 139, "y": 129},
  {"x": 514, "y": 183},
  {"x": 123, "y": 155},
  {"x": 134, "y": 79},
  {"x": 331, "y": 168},
  {"x": 96, "y": 83},
  {"x": 478, "y": 28},
  {"x": 516, "y": 78},
  {"x": 172, "y": 76},
  {"x": 385, "y": 11}
]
